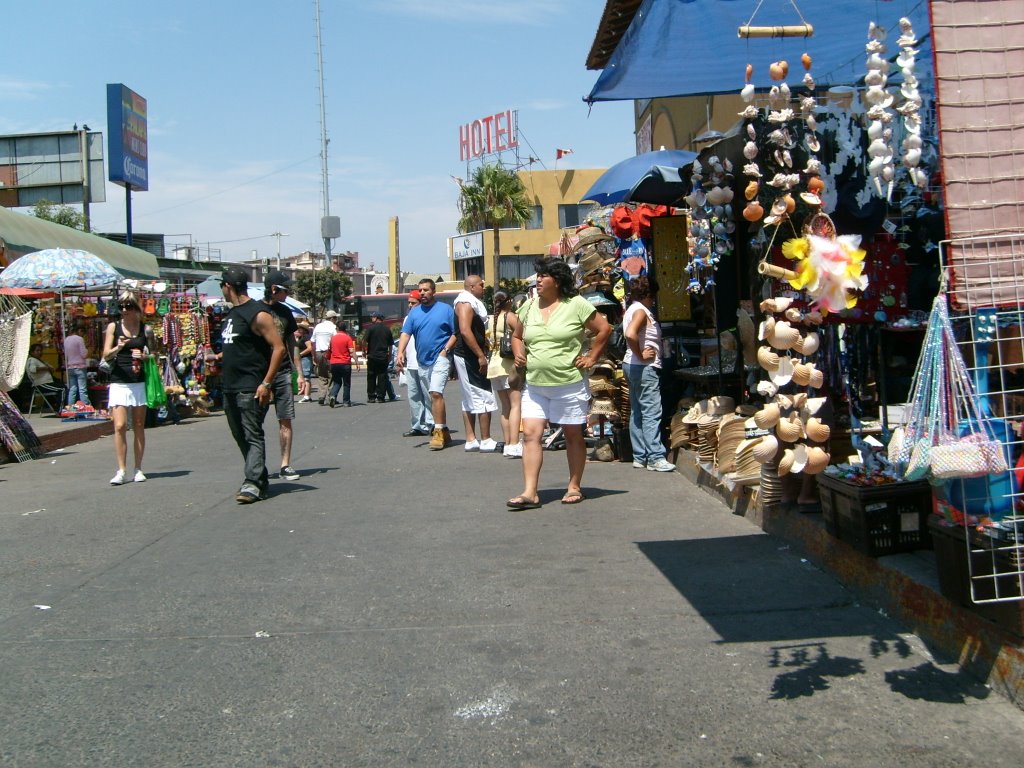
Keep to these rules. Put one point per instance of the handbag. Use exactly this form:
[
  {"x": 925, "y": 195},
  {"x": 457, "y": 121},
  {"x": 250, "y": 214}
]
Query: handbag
[
  {"x": 505, "y": 345},
  {"x": 156, "y": 395}
]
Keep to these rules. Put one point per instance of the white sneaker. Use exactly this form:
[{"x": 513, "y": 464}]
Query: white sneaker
[
  {"x": 637, "y": 464},
  {"x": 306, "y": 400},
  {"x": 488, "y": 445},
  {"x": 118, "y": 479},
  {"x": 472, "y": 445},
  {"x": 139, "y": 477},
  {"x": 514, "y": 451},
  {"x": 660, "y": 465}
]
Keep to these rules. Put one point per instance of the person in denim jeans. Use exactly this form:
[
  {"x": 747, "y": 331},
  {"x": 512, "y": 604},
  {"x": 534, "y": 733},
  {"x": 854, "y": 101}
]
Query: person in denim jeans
[
  {"x": 642, "y": 364},
  {"x": 252, "y": 353},
  {"x": 76, "y": 363}
]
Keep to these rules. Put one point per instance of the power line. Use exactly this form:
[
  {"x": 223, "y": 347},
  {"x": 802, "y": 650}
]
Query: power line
[{"x": 223, "y": 191}]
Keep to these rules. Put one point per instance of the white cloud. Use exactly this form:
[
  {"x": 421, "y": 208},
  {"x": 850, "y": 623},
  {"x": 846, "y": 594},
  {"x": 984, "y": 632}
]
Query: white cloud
[{"x": 19, "y": 90}]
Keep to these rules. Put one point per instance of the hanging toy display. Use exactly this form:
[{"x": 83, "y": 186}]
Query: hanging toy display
[
  {"x": 878, "y": 99},
  {"x": 911, "y": 106},
  {"x": 829, "y": 267}
]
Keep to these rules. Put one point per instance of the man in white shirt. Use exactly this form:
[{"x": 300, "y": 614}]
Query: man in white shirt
[
  {"x": 323, "y": 332},
  {"x": 471, "y": 358}
]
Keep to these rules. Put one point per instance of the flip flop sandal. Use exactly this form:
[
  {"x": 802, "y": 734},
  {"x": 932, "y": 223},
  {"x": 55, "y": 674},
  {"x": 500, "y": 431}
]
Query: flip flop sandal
[
  {"x": 573, "y": 497},
  {"x": 518, "y": 502}
]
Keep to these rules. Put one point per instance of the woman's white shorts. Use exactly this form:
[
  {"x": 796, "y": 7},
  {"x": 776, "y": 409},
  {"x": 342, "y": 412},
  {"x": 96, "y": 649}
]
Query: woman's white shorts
[{"x": 564, "y": 404}]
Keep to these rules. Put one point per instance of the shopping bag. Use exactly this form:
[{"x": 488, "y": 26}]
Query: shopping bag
[{"x": 156, "y": 395}]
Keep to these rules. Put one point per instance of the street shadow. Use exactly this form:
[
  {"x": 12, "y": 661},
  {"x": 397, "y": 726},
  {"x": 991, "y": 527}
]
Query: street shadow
[
  {"x": 598, "y": 493},
  {"x": 172, "y": 473},
  {"x": 307, "y": 471},
  {"x": 744, "y": 587},
  {"x": 929, "y": 683},
  {"x": 810, "y": 668}
]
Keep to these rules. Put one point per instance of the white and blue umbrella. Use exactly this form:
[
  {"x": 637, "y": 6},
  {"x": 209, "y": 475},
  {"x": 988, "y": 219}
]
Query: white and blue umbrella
[{"x": 59, "y": 269}]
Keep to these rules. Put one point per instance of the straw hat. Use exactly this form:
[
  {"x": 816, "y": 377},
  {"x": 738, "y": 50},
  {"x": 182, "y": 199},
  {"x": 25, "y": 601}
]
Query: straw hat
[
  {"x": 603, "y": 406},
  {"x": 603, "y": 385},
  {"x": 590, "y": 236},
  {"x": 593, "y": 260}
]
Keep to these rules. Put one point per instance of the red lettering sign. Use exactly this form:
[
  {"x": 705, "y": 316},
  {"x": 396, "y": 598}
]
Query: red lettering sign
[{"x": 494, "y": 133}]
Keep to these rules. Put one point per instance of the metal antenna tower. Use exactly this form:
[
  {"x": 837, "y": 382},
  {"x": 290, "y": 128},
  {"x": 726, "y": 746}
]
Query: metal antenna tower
[{"x": 323, "y": 132}]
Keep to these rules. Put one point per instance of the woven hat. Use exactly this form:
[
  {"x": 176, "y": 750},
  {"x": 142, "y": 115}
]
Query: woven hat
[
  {"x": 603, "y": 406},
  {"x": 590, "y": 236},
  {"x": 603, "y": 385},
  {"x": 593, "y": 259}
]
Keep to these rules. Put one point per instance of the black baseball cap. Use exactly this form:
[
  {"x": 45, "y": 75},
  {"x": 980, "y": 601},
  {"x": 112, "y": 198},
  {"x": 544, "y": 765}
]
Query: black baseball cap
[
  {"x": 378, "y": 315},
  {"x": 277, "y": 277},
  {"x": 235, "y": 276}
]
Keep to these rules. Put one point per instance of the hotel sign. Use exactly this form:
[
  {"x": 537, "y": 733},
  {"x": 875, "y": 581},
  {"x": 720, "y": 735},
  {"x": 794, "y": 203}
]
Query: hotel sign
[{"x": 488, "y": 135}]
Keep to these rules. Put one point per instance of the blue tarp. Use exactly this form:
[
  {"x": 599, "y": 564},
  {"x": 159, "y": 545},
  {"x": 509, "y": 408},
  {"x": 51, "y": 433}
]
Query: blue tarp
[{"x": 690, "y": 47}]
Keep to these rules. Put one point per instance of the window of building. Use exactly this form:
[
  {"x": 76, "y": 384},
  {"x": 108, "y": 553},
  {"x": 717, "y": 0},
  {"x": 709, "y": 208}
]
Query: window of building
[
  {"x": 572, "y": 215},
  {"x": 537, "y": 220},
  {"x": 465, "y": 267},
  {"x": 516, "y": 267}
]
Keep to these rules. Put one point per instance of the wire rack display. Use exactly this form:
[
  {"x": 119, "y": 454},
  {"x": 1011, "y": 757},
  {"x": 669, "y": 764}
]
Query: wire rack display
[{"x": 985, "y": 278}]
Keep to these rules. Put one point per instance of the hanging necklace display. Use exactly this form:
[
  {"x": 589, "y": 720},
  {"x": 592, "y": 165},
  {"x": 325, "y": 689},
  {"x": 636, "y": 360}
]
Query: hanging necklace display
[{"x": 911, "y": 107}]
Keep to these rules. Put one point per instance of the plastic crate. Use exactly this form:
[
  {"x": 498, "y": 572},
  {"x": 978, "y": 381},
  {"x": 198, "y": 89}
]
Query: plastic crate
[{"x": 877, "y": 520}]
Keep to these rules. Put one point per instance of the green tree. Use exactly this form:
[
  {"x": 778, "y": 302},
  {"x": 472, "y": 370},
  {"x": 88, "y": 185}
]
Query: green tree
[
  {"x": 493, "y": 197},
  {"x": 322, "y": 289},
  {"x": 59, "y": 214}
]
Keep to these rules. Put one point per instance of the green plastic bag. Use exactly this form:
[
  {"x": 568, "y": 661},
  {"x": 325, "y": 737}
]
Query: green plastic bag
[{"x": 156, "y": 395}]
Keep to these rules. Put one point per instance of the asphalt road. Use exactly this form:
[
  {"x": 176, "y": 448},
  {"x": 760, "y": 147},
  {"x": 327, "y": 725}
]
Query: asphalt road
[{"x": 387, "y": 610}]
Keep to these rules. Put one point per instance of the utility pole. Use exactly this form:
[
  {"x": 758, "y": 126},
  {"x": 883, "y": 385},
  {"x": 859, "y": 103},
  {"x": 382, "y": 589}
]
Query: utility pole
[{"x": 279, "y": 235}]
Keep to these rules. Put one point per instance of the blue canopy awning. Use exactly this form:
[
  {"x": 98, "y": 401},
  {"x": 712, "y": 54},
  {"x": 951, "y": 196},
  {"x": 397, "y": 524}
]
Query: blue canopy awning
[{"x": 690, "y": 47}]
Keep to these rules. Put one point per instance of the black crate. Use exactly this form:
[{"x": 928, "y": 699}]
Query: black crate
[{"x": 877, "y": 520}]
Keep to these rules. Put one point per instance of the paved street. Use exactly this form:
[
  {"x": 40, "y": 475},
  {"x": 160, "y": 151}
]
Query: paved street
[{"x": 387, "y": 610}]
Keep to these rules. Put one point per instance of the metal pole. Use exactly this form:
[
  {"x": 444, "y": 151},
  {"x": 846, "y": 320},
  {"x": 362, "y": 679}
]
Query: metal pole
[
  {"x": 128, "y": 214},
  {"x": 323, "y": 131},
  {"x": 83, "y": 138}
]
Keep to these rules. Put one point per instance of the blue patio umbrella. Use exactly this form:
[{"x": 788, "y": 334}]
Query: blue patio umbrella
[
  {"x": 652, "y": 177},
  {"x": 59, "y": 269}
]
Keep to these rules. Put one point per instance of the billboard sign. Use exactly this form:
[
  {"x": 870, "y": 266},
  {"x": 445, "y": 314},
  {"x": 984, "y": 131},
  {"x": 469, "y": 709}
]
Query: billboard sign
[
  {"x": 127, "y": 137},
  {"x": 51, "y": 166},
  {"x": 469, "y": 246}
]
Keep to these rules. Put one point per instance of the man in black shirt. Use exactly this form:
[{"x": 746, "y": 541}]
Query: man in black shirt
[
  {"x": 378, "y": 342},
  {"x": 252, "y": 351},
  {"x": 275, "y": 291}
]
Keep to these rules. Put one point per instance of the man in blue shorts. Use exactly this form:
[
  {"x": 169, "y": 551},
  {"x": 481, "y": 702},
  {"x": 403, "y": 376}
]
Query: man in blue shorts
[{"x": 432, "y": 326}]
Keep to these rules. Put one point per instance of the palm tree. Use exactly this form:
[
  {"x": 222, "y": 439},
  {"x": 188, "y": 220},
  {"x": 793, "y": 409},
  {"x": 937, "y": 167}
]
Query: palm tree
[{"x": 494, "y": 196}]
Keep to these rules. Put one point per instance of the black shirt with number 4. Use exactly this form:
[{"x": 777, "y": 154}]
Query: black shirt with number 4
[{"x": 246, "y": 353}]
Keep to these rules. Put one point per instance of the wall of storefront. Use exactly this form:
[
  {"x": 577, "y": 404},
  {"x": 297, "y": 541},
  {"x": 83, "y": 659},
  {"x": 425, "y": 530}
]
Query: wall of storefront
[
  {"x": 674, "y": 123},
  {"x": 555, "y": 195}
]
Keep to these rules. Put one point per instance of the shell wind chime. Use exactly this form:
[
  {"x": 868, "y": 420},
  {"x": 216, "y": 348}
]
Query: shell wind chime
[
  {"x": 711, "y": 222},
  {"x": 880, "y": 166},
  {"x": 911, "y": 106},
  {"x": 798, "y": 435}
]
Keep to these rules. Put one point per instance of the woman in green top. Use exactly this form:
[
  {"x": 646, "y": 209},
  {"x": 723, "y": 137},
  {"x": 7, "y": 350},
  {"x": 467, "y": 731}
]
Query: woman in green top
[{"x": 547, "y": 339}]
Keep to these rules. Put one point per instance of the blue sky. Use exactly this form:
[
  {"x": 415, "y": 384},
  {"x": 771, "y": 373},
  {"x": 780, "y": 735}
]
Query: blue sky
[{"x": 234, "y": 134}]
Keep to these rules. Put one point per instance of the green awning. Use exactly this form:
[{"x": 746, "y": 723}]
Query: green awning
[{"x": 23, "y": 234}]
